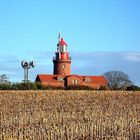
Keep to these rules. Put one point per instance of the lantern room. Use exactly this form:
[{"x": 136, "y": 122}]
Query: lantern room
[
  {"x": 62, "y": 53},
  {"x": 62, "y": 46}
]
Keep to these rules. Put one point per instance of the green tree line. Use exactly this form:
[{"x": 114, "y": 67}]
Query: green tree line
[{"x": 39, "y": 86}]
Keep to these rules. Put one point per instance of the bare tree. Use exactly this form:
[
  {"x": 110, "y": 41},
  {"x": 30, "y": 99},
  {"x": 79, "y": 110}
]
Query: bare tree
[
  {"x": 117, "y": 80},
  {"x": 4, "y": 79}
]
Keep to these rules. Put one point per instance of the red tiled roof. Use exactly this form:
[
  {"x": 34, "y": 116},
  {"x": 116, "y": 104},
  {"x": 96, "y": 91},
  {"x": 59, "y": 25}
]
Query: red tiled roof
[
  {"x": 53, "y": 78},
  {"x": 49, "y": 78},
  {"x": 99, "y": 79},
  {"x": 94, "y": 79},
  {"x": 74, "y": 75}
]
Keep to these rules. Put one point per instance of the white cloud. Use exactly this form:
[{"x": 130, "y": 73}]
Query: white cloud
[{"x": 132, "y": 57}]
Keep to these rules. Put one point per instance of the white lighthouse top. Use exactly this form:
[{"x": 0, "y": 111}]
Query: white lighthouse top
[{"x": 62, "y": 45}]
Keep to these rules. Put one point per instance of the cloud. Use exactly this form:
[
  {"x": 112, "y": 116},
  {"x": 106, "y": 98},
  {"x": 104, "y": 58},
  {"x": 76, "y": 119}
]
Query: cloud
[
  {"x": 84, "y": 63},
  {"x": 132, "y": 57},
  {"x": 97, "y": 63}
]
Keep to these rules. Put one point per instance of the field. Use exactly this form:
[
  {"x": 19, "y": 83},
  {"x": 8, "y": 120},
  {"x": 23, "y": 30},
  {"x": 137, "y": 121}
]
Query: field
[{"x": 69, "y": 115}]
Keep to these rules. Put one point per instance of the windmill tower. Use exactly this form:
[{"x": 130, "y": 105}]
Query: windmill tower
[{"x": 26, "y": 66}]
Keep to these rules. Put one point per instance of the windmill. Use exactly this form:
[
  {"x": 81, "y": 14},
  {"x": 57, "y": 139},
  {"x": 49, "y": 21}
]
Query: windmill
[{"x": 26, "y": 66}]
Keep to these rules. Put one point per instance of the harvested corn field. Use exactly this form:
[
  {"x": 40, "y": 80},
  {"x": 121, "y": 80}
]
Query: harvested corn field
[{"x": 69, "y": 115}]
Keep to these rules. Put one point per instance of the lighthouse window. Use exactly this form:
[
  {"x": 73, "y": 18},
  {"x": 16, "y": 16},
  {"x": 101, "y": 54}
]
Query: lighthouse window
[{"x": 63, "y": 66}]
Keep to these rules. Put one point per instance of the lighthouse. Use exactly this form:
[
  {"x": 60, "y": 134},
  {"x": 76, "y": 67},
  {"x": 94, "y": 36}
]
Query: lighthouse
[
  {"x": 62, "y": 76},
  {"x": 62, "y": 60}
]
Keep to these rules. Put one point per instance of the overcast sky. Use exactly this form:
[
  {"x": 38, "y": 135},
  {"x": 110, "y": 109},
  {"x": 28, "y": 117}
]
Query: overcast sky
[{"x": 102, "y": 35}]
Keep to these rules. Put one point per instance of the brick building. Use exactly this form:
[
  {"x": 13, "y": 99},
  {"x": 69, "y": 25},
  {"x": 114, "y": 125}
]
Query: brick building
[{"x": 62, "y": 76}]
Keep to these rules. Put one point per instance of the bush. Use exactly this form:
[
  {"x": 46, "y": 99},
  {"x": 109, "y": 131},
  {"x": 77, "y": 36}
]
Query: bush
[
  {"x": 103, "y": 87},
  {"x": 27, "y": 86},
  {"x": 23, "y": 86},
  {"x": 39, "y": 86},
  {"x": 54, "y": 88},
  {"x": 133, "y": 88},
  {"x": 79, "y": 88},
  {"x": 5, "y": 86}
]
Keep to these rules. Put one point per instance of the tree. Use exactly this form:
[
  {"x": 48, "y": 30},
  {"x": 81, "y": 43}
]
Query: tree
[
  {"x": 4, "y": 79},
  {"x": 117, "y": 80}
]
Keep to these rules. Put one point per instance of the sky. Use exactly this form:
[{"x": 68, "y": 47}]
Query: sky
[{"x": 102, "y": 35}]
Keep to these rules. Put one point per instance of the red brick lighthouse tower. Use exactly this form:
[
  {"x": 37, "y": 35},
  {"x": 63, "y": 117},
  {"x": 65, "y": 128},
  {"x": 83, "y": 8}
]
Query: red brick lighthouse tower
[{"x": 61, "y": 60}]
